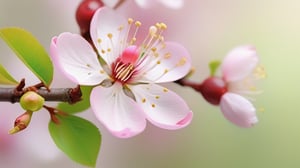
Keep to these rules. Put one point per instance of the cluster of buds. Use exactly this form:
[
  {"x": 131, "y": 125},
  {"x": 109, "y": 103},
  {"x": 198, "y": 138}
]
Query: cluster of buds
[{"x": 233, "y": 90}]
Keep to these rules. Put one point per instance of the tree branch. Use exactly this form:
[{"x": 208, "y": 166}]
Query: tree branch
[{"x": 70, "y": 95}]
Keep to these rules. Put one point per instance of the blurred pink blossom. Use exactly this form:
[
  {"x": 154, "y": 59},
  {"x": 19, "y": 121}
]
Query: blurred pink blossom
[
  {"x": 173, "y": 4},
  {"x": 240, "y": 71}
]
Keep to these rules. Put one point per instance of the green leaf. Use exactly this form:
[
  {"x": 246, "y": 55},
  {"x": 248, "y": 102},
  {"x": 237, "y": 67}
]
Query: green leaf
[
  {"x": 6, "y": 78},
  {"x": 213, "y": 66},
  {"x": 30, "y": 51},
  {"x": 76, "y": 137},
  {"x": 79, "y": 106}
]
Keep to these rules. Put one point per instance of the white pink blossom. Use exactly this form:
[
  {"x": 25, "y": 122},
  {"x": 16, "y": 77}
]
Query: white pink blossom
[{"x": 125, "y": 73}]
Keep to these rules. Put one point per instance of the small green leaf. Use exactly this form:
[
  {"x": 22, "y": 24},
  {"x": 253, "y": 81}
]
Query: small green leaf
[
  {"x": 76, "y": 137},
  {"x": 6, "y": 78},
  {"x": 30, "y": 51},
  {"x": 79, "y": 106},
  {"x": 213, "y": 66}
]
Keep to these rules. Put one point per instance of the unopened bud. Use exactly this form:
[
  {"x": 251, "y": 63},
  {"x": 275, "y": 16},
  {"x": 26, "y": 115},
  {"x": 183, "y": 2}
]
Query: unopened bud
[
  {"x": 31, "y": 101},
  {"x": 84, "y": 14},
  {"x": 21, "y": 122},
  {"x": 212, "y": 89}
]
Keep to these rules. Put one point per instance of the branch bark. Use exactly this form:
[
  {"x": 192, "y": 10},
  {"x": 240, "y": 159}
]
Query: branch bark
[{"x": 70, "y": 95}]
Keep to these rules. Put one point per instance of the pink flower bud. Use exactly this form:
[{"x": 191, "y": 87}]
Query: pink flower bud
[
  {"x": 84, "y": 14},
  {"x": 21, "y": 122}
]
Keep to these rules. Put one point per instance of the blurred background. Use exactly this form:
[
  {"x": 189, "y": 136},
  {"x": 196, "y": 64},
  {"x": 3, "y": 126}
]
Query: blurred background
[{"x": 208, "y": 29}]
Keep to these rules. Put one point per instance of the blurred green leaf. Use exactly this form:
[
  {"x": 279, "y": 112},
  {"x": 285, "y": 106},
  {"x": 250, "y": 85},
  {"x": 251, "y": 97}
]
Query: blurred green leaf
[
  {"x": 30, "y": 51},
  {"x": 79, "y": 106},
  {"x": 6, "y": 78},
  {"x": 76, "y": 137},
  {"x": 213, "y": 66}
]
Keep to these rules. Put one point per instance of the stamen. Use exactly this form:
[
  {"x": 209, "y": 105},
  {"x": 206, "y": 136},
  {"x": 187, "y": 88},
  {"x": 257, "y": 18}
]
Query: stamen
[
  {"x": 181, "y": 62},
  {"x": 130, "y": 20},
  {"x": 123, "y": 72},
  {"x": 163, "y": 26},
  {"x": 259, "y": 72},
  {"x": 121, "y": 28},
  {"x": 167, "y": 55},
  {"x": 138, "y": 24},
  {"x": 109, "y": 35}
]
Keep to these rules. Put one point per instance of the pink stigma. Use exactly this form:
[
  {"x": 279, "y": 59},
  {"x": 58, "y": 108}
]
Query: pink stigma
[{"x": 130, "y": 55}]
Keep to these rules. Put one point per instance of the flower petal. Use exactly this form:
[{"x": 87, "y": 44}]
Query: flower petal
[
  {"x": 239, "y": 63},
  {"x": 77, "y": 59},
  {"x": 146, "y": 3},
  {"x": 172, "y": 63},
  {"x": 163, "y": 108},
  {"x": 117, "y": 112},
  {"x": 106, "y": 21},
  {"x": 238, "y": 110},
  {"x": 174, "y": 4}
]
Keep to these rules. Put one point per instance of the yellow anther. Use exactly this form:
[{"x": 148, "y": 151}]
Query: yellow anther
[
  {"x": 158, "y": 62},
  {"x": 153, "y": 105},
  {"x": 161, "y": 38},
  {"x": 163, "y": 26},
  {"x": 259, "y": 72},
  {"x": 153, "y": 49},
  {"x": 121, "y": 28},
  {"x": 130, "y": 20},
  {"x": 165, "y": 90},
  {"x": 99, "y": 40},
  {"x": 167, "y": 55},
  {"x": 109, "y": 50},
  {"x": 158, "y": 25},
  {"x": 102, "y": 71},
  {"x": 181, "y": 62},
  {"x": 133, "y": 40},
  {"x": 143, "y": 100},
  {"x": 109, "y": 35},
  {"x": 88, "y": 65},
  {"x": 138, "y": 24},
  {"x": 166, "y": 71},
  {"x": 157, "y": 97},
  {"x": 103, "y": 51}
]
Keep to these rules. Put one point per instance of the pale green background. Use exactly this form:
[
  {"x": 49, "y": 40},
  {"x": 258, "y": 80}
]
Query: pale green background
[{"x": 209, "y": 29}]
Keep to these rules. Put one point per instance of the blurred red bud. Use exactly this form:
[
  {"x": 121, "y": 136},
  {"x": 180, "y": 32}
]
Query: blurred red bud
[
  {"x": 213, "y": 89},
  {"x": 84, "y": 14}
]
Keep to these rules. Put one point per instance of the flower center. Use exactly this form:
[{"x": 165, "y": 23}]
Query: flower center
[
  {"x": 213, "y": 89},
  {"x": 123, "y": 68}
]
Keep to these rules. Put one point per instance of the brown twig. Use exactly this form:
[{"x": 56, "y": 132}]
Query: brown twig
[{"x": 70, "y": 95}]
